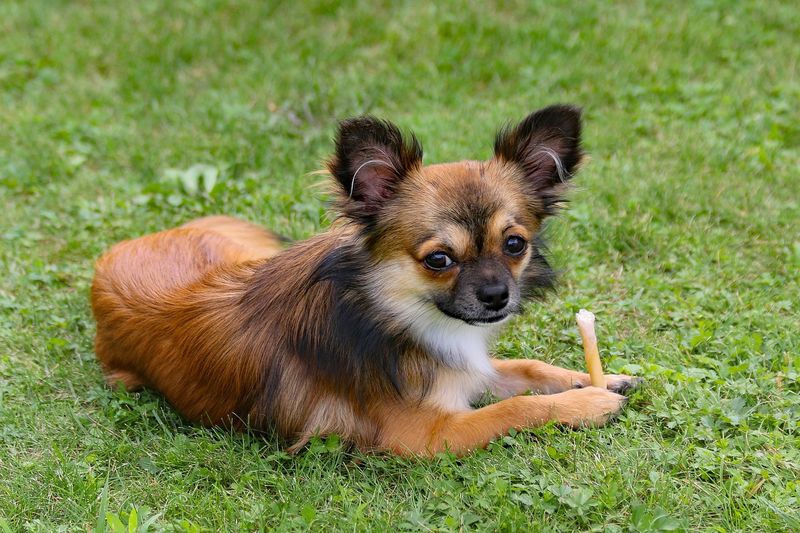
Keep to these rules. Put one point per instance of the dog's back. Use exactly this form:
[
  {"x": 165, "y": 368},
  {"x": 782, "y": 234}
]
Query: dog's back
[{"x": 134, "y": 279}]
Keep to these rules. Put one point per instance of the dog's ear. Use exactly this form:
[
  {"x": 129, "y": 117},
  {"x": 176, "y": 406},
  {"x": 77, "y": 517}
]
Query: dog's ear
[
  {"x": 546, "y": 145},
  {"x": 372, "y": 157}
]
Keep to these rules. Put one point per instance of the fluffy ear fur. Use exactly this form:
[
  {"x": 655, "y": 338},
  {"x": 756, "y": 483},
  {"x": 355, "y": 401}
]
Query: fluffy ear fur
[
  {"x": 371, "y": 159},
  {"x": 546, "y": 144}
]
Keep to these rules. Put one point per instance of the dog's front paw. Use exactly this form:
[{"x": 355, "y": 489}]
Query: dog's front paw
[
  {"x": 620, "y": 383},
  {"x": 589, "y": 406}
]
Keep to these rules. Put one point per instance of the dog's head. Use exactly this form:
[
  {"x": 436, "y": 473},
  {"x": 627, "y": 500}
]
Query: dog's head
[{"x": 455, "y": 241}]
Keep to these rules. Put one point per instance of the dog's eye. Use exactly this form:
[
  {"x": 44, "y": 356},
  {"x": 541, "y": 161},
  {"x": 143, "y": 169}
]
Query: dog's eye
[
  {"x": 437, "y": 261},
  {"x": 515, "y": 245}
]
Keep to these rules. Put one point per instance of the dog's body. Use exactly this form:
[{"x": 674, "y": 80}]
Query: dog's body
[{"x": 378, "y": 329}]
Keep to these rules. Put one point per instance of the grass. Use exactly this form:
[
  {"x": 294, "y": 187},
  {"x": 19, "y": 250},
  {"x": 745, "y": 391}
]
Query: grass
[{"x": 682, "y": 237}]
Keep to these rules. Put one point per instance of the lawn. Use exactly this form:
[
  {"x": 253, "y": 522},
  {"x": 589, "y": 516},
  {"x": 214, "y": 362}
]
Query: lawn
[{"x": 682, "y": 236}]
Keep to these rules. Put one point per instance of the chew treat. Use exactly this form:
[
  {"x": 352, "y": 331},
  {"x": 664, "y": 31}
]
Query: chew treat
[{"x": 586, "y": 326}]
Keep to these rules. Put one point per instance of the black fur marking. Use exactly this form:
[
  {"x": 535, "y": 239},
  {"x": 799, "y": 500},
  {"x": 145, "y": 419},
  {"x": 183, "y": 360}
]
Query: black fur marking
[
  {"x": 371, "y": 159},
  {"x": 473, "y": 211},
  {"x": 538, "y": 277},
  {"x": 552, "y": 131},
  {"x": 358, "y": 352},
  {"x": 268, "y": 399}
]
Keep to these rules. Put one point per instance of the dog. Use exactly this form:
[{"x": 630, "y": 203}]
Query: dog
[{"x": 378, "y": 329}]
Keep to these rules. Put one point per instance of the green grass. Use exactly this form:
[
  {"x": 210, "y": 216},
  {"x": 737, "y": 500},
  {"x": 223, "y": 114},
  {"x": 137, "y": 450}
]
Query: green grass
[{"x": 682, "y": 237}]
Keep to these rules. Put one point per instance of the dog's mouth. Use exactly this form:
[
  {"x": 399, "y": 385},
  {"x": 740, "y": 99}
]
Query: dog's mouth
[
  {"x": 489, "y": 321},
  {"x": 479, "y": 321}
]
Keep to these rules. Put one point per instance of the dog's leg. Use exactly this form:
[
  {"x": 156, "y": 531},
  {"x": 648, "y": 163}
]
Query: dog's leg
[
  {"x": 517, "y": 376},
  {"x": 428, "y": 432}
]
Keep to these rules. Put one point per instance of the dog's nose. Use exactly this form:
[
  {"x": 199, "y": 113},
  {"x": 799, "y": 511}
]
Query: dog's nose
[{"x": 494, "y": 297}]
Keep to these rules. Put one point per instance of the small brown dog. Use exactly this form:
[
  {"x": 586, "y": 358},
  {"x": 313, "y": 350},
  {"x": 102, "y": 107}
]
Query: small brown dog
[{"x": 377, "y": 329}]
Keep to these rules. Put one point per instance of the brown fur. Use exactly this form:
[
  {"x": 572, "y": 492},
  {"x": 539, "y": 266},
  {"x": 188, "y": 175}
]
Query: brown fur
[{"x": 323, "y": 337}]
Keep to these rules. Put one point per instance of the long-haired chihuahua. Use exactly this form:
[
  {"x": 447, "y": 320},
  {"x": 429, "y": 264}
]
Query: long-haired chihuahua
[{"x": 378, "y": 329}]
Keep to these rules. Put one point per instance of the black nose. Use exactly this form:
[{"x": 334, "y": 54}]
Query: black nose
[{"x": 494, "y": 297}]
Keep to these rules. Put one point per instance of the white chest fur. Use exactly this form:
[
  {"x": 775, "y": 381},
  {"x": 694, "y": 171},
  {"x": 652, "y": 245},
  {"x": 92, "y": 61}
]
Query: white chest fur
[{"x": 467, "y": 370}]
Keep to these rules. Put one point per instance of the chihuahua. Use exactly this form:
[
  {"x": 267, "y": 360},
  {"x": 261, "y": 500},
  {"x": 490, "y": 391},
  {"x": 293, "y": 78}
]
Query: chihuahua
[{"x": 379, "y": 328}]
